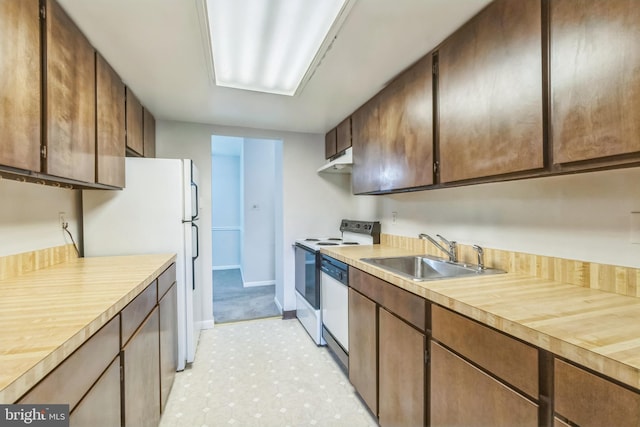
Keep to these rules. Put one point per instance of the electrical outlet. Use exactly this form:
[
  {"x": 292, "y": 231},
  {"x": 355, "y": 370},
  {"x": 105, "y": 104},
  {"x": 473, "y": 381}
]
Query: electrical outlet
[
  {"x": 394, "y": 217},
  {"x": 62, "y": 219}
]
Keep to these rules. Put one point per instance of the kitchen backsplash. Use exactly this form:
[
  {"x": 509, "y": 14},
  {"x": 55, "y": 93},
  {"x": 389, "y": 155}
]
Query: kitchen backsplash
[
  {"x": 609, "y": 278},
  {"x": 15, "y": 265}
]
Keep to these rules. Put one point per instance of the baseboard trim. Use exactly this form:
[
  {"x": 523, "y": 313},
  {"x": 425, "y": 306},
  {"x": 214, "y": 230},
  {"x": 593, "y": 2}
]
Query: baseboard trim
[
  {"x": 260, "y": 283},
  {"x": 205, "y": 324},
  {"x": 225, "y": 267},
  {"x": 288, "y": 315},
  {"x": 275, "y": 299}
]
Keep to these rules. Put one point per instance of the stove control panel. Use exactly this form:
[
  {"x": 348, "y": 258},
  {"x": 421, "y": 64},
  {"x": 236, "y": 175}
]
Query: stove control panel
[{"x": 371, "y": 228}]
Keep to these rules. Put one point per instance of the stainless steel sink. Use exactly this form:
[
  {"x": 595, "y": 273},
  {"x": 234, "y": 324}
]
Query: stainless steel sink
[{"x": 424, "y": 267}]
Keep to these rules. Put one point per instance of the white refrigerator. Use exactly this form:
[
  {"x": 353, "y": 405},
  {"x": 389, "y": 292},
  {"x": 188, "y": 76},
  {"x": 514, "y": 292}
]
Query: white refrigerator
[{"x": 157, "y": 212}]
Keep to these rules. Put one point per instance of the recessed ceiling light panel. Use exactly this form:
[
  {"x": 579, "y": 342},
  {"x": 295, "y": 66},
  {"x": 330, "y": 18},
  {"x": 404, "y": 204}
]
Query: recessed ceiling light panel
[{"x": 268, "y": 45}]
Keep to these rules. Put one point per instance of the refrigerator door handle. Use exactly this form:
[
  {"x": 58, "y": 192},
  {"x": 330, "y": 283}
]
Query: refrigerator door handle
[
  {"x": 193, "y": 258},
  {"x": 194, "y": 217}
]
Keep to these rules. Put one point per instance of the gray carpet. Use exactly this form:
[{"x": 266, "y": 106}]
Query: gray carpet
[{"x": 233, "y": 302}]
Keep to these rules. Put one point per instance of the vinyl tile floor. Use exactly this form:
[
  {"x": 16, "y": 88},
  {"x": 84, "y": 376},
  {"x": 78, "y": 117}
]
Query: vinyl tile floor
[{"x": 263, "y": 373}]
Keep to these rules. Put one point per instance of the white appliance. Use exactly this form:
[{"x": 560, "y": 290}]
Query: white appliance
[
  {"x": 157, "y": 212},
  {"x": 334, "y": 303},
  {"x": 311, "y": 303}
]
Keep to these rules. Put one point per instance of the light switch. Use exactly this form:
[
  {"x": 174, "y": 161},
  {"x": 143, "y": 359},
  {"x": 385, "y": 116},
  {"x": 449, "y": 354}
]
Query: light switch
[{"x": 634, "y": 234}]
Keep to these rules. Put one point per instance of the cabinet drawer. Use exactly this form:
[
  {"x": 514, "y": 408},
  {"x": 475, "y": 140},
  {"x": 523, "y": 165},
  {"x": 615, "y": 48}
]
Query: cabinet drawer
[
  {"x": 77, "y": 373},
  {"x": 406, "y": 305},
  {"x": 136, "y": 311},
  {"x": 165, "y": 280},
  {"x": 589, "y": 400},
  {"x": 507, "y": 358}
]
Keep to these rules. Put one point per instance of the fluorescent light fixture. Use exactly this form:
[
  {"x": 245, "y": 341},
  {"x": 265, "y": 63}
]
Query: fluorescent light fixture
[{"x": 268, "y": 45}]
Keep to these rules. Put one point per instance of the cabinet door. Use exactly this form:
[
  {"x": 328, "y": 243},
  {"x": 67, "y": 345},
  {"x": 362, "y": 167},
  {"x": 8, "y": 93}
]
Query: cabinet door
[
  {"x": 330, "y": 144},
  {"x": 149, "y": 134},
  {"x": 110, "y": 125},
  {"x": 141, "y": 375},
  {"x": 406, "y": 126},
  {"x": 20, "y": 84},
  {"x": 367, "y": 151},
  {"x": 363, "y": 348},
  {"x": 168, "y": 342},
  {"x": 135, "y": 137},
  {"x": 594, "y": 63},
  {"x": 462, "y": 395},
  {"x": 490, "y": 93},
  {"x": 343, "y": 135},
  {"x": 589, "y": 400},
  {"x": 71, "y": 100},
  {"x": 100, "y": 407},
  {"x": 402, "y": 373}
]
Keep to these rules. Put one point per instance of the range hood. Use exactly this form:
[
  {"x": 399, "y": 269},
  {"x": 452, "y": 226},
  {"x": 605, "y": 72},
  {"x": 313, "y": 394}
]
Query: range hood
[{"x": 341, "y": 164}]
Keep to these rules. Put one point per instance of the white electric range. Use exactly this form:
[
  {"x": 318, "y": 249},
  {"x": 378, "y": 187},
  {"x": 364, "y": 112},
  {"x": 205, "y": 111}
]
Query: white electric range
[{"x": 318, "y": 293}]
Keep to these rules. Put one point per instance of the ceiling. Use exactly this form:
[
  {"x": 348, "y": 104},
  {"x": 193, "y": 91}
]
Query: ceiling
[{"x": 159, "y": 49}]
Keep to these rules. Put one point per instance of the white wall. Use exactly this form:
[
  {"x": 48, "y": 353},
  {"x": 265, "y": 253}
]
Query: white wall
[
  {"x": 29, "y": 216},
  {"x": 258, "y": 263},
  {"x": 312, "y": 204},
  {"x": 583, "y": 216},
  {"x": 226, "y": 211}
]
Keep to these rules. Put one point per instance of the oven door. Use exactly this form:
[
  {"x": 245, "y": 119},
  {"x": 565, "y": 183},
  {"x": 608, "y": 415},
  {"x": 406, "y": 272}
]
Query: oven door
[{"x": 308, "y": 275}]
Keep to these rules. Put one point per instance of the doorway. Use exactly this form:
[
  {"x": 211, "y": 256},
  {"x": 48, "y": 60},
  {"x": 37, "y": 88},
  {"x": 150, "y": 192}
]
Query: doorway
[{"x": 246, "y": 193}]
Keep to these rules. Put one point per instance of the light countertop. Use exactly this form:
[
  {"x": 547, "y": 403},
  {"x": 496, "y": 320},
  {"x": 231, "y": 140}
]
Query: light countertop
[
  {"x": 597, "y": 329},
  {"x": 46, "y": 314}
]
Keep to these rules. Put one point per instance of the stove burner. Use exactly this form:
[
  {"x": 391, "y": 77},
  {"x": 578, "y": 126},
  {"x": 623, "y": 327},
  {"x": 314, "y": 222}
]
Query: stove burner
[
  {"x": 334, "y": 238},
  {"x": 327, "y": 244},
  {"x": 311, "y": 240},
  {"x": 350, "y": 243}
]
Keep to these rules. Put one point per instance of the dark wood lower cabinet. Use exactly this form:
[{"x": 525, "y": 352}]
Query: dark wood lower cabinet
[
  {"x": 590, "y": 400},
  {"x": 100, "y": 407},
  {"x": 402, "y": 373},
  {"x": 141, "y": 375},
  {"x": 363, "y": 348},
  {"x": 168, "y": 342},
  {"x": 463, "y": 395}
]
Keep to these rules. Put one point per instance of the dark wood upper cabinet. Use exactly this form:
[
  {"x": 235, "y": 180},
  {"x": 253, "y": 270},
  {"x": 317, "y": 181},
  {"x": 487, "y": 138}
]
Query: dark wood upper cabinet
[
  {"x": 367, "y": 150},
  {"x": 110, "y": 125},
  {"x": 343, "y": 135},
  {"x": 135, "y": 126},
  {"x": 70, "y": 98},
  {"x": 149, "y": 134},
  {"x": 330, "y": 141},
  {"x": 20, "y": 84},
  {"x": 490, "y": 93},
  {"x": 406, "y": 128},
  {"x": 595, "y": 82},
  {"x": 338, "y": 139}
]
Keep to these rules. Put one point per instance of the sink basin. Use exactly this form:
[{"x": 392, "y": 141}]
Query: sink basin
[{"x": 424, "y": 267}]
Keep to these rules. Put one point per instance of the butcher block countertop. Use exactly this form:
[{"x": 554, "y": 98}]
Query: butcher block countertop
[
  {"x": 46, "y": 314},
  {"x": 596, "y": 329}
]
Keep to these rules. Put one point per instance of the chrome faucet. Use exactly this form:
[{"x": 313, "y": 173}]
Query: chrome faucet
[
  {"x": 451, "y": 252},
  {"x": 480, "y": 257}
]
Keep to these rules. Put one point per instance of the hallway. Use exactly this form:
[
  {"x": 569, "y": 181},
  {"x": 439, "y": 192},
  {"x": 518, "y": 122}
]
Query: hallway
[{"x": 233, "y": 302}]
